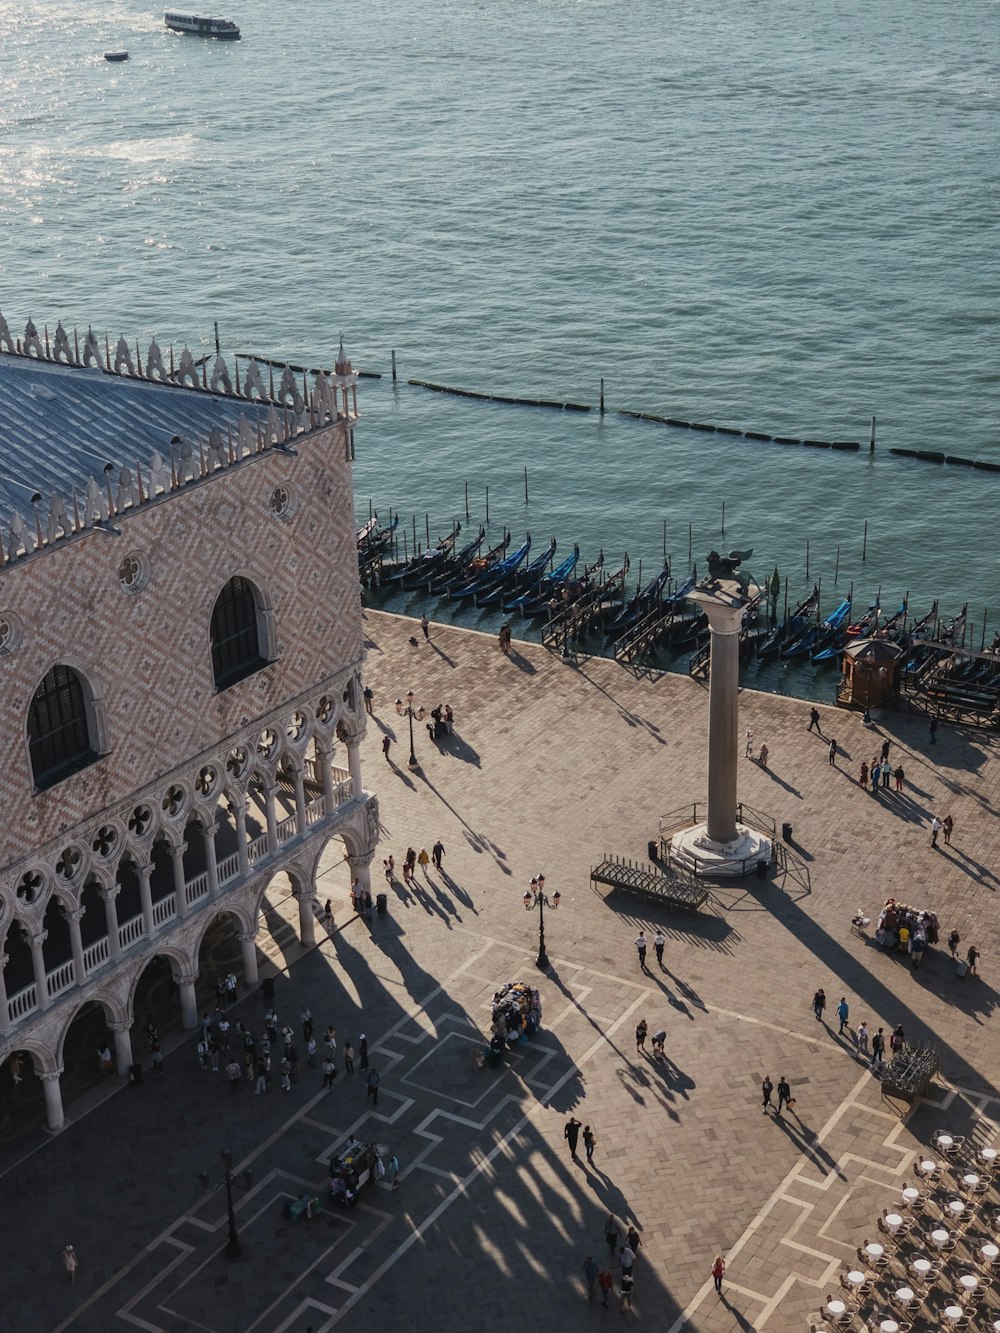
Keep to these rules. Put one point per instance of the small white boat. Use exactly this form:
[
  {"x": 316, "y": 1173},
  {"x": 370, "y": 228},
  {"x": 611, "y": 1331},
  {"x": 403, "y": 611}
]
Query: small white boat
[
  {"x": 115, "y": 56},
  {"x": 202, "y": 25}
]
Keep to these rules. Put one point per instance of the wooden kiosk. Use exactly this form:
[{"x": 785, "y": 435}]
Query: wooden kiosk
[{"x": 870, "y": 679}]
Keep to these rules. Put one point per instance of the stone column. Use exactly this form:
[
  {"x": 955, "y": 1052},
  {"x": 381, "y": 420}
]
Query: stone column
[
  {"x": 354, "y": 764},
  {"x": 189, "y": 1001},
  {"x": 177, "y": 858},
  {"x": 53, "y": 1099},
  {"x": 325, "y": 756},
  {"x": 35, "y": 943},
  {"x": 146, "y": 897},
  {"x": 307, "y": 921},
  {"x": 76, "y": 942},
  {"x": 211, "y": 865},
  {"x": 361, "y": 868},
  {"x": 4, "y": 1011},
  {"x": 299, "y": 781},
  {"x": 248, "y": 947},
  {"x": 724, "y": 620},
  {"x": 123, "y": 1046},
  {"x": 109, "y": 892},
  {"x": 271, "y": 816},
  {"x": 239, "y": 810}
]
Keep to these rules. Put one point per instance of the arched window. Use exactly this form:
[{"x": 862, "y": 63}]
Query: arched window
[
  {"x": 59, "y": 730},
  {"x": 239, "y": 633}
]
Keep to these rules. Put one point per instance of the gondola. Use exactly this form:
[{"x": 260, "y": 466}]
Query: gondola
[
  {"x": 366, "y": 531},
  {"x": 375, "y": 544},
  {"x": 553, "y": 579},
  {"x": 499, "y": 571},
  {"x": 641, "y": 604},
  {"x": 563, "y": 595},
  {"x": 416, "y": 570},
  {"x": 465, "y": 567},
  {"x": 793, "y": 626},
  {"x": 526, "y": 578},
  {"x": 820, "y": 635},
  {"x": 424, "y": 580}
]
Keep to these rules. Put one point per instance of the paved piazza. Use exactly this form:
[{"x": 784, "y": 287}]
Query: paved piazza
[{"x": 552, "y": 766}]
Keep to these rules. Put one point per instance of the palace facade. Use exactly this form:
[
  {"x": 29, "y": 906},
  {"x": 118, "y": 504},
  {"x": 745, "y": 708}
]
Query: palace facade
[{"x": 180, "y": 659}]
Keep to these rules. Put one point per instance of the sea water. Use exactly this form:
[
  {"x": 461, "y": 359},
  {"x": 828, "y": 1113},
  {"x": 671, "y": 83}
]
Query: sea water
[{"x": 774, "y": 216}]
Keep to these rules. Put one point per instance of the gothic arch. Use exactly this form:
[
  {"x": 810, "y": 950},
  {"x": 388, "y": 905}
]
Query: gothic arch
[
  {"x": 233, "y": 909},
  {"x": 180, "y": 964},
  {"x": 114, "y": 1012}
]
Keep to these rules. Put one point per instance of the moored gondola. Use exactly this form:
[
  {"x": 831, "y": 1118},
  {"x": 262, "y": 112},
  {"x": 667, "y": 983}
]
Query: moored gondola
[
  {"x": 498, "y": 589},
  {"x": 499, "y": 571}
]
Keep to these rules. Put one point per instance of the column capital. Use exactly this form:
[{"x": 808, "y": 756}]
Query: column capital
[
  {"x": 360, "y": 861},
  {"x": 143, "y": 868},
  {"x": 109, "y": 892},
  {"x": 187, "y": 978},
  {"x": 177, "y": 850},
  {"x": 4, "y": 960},
  {"x": 119, "y": 1025},
  {"x": 210, "y": 830},
  {"x": 74, "y": 913},
  {"x": 246, "y": 936},
  {"x": 51, "y": 1075},
  {"x": 35, "y": 938}
]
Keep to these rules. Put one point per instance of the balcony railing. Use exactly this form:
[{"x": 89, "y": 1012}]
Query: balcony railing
[
  {"x": 257, "y": 848},
  {"x": 229, "y": 868},
  {"x": 131, "y": 932},
  {"x": 315, "y": 811},
  {"x": 164, "y": 910},
  {"x": 95, "y": 954},
  {"x": 24, "y": 1002},
  {"x": 287, "y": 828},
  {"x": 60, "y": 979},
  {"x": 196, "y": 888}
]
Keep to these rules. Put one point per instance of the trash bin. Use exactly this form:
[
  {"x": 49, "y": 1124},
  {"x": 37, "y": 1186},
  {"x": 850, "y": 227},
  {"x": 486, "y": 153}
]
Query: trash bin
[
  {"x": 652, "y": 849},
  {"x": 135, "y": 1075},
  {"x": 762, "y": 870},
  {"x": 382, "y": 903},
  {"x": 267, "y": 989},
  {"x": 786, "y": 832}
]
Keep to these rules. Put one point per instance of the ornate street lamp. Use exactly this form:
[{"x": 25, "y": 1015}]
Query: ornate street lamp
[
  {"x": 407, "y": 710},
  {"x": 535, "y": 896},
  {"x": 233, "y": 1247}
]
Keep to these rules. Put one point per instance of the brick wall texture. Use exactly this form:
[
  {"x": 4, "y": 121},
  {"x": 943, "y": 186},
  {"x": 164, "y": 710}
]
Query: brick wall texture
[{"x": 149, "y": 655}]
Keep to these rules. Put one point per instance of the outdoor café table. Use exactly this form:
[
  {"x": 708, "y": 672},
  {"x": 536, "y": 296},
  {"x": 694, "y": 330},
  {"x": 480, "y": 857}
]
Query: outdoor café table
[
  {"x": 904, "y": 1293},
  {"x": 990, "y": 1253},
  {"x": 970, "y": 1181},
  {"x": 969, "y": 1282},
  {"x": 893, "y": 1221},
  {"x": 956, "y": 1207},
  {"x": 939, "y": 1237},
  {"x": 874, "y": 1251},
  {"x": 910, "y": 1195},
  {"x": 856, "y": 1279},
  {"x": 927, "y": 1167},
  {"x": 953, "y": 1312},
  {"x": 835, "y": 1307},
  {"x": 922, "y": 1267},
  {"x": 889, "y": 1326},
  {"x": 988, "y": 1155},
  {"x": 996, "y": 1325},
  {"x": 944, "y": 1142}
]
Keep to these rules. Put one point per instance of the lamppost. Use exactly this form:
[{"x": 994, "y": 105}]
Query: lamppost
[
  {"x": 407, "y": 710},
  {"x": 233, "y": 1247},
  {"x": 535, "y": 897}
]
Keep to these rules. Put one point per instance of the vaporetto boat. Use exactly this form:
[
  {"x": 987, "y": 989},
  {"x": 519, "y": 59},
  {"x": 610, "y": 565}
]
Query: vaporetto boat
[{"x": 202, "y": 25}]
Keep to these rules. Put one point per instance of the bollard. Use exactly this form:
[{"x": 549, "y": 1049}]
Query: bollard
[
  {"x": 394, "y": 367},
  {"x": 871, "y": 446},
  {"x": 602, "y": 395}
]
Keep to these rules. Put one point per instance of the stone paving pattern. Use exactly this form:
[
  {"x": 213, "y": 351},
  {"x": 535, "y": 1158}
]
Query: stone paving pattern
[{"x": 551, "y": 766}]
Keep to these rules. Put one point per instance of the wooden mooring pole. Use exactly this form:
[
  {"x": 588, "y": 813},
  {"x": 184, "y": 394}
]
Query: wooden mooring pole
[
  {"x": 602, "y": 395},
  {"x": 836, "y": 568},
  {"x": 864, "y": 544},
  {"x": 466, "y": 502},
  {"x": 526, "y": 485},
  {"x": 394, "y": 367},
  {"x": 871, "y": 444}
]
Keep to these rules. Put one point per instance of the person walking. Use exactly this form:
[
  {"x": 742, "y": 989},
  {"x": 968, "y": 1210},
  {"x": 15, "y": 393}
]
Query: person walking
[
  {"x": 972, "y": 958},
  {"x": 348, "y": 1058},
  {"x": 936, "y": 827},
  {"x": 659, "y": 1038},
  {"x": 719, "y": 1271},
  {"x": 814, "y": 721},
  {"x": 627, "y": 1259},
  {"x": 373, "y": 1082},
  {"x": 286, "y": 1073},
  {"x": 363, "y": 1051},
  {"x": 886, "y": 773},
  {"x": 423, "y": 860},
  {"x": 748, "y": 750},
  {"x": 878, "y": 1048},
  {"x": 947, "y": 824},
  {"x": 234, "y": 1073},
  {"x": 898, "y": 1039},
  {"x": 611, "y": 1233},
  {"x": 627, "y": 1286},
  {"x": 876, "y": 774},
  {"x": 954, "y": 940},
  {"x": 606, "y": 1281},
  {"x": 766, "y": 1088},
  {"x": 425, "y": 626},
  {"x": 784, "y": 1094},
  {"x": 640, "y": 1035},
  {"x": 632, "y": 1239},
  {"x": 261, "y": 1081},
  {"x": 329, "y": 1072},
  {"x": 833, "y": 752},
  {"x": 386, "y": 746},
  {"x": 589, "y": 1140},
  {"x": 899, "y": 775},
  {"x": 762, "y": 754},
  {"x": 658, "y": 944},
  {"x": 843, "y": 1009},
  {"x": 819, "y": 1004},
  {"x": 591, "y": 1272},
  {"x": 437, "y": 854},
  {"x": 640, "y": 948},
  {"x": 71, "y": 1263},
  {"x": 369, "y": 699},
  {"x": 862, "y": 1037},
  {"x": 571, "y": 1133},
  {"x": 932, "y": 728},
  {"x": 157, "y": 1054},
  {"x": 104, "y": 1058},
  {"x": 863, "y": 775}
]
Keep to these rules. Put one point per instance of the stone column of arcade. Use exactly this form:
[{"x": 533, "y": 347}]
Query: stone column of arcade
[
  {"x": 53, "y": 1098},
  {"x": 721, "y": 845}
]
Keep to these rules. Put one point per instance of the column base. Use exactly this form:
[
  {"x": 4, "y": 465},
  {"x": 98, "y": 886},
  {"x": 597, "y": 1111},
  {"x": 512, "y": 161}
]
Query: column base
[{"x": 696, "y": 851}]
